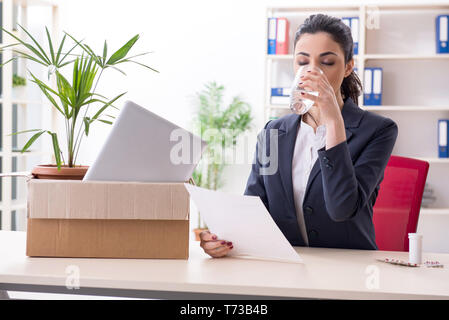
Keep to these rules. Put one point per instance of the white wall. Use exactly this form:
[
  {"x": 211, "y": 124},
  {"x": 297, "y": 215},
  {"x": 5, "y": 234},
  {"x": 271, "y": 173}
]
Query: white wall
[{"x": 193, "y": 42}]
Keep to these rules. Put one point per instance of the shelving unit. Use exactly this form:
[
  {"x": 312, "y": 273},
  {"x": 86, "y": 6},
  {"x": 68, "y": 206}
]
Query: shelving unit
[
  {"x": 415, "y": 82},
  {"x": 20, "y": 109}
]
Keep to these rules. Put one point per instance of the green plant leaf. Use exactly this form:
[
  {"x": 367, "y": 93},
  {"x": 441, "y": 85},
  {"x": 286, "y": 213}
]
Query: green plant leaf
[
  {"x": 88, "y": 50},
  {"x": 91, "y": 101},
  {"x": 105, "y": 52},
  {"x": 67, "y": 53},
  {"x": 123, "y": 51},
  {"x": 115, "y": 68},
  {"x": 44, "y": 88},
  {"x": 9, "y": 45},
  {"x": 1, "y": 65},
  {"x": 65, "y": 89},
  {"x": 105, "y": 121},
  {"x": 19, "y": 132},
  {"x": 66, "y": 63},
  {"x": 56, "y": 149},
  {"x": 141, "y": 64},
  {"x": 50, "y": 45},
  {"x": 86, "y": 125},
  {"x": 140, "y": 54},
  {"x": 106, "y": 105},
  {"x": 61, "y": 45},
  {"x": 30, "y": 47},
  {"x": 27, "y": 56},
  {"x": 31, "y": 141},
  {"x": 95, "y": 57},
  {"x": 36, "y": 51},
  {"x": 52, "y": 100},
  {"x": 84, "y": 72}
]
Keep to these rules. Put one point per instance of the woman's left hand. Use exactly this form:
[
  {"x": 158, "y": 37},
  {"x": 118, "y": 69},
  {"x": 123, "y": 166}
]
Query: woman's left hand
[{"x": 326, "y": 101}]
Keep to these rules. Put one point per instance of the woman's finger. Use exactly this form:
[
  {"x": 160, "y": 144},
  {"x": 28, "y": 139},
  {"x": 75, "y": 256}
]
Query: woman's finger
[
  {"x": 309, "y": 96},
  {"x": 218, "y": 252},
  {"x": 319, "y": 79},
  {"x": 207, "y": 236},
  {"x": 309, "y": 84},
  {"x": 314, "y": 75},
  {"x": 309, "y": 76},
  {"x": 208, "y": 245}
]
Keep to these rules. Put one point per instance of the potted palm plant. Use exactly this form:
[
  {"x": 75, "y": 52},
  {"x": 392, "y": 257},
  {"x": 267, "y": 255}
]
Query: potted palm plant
[
  {"x": 226, "y": 123},
  {"x": 77, "y": 100}
]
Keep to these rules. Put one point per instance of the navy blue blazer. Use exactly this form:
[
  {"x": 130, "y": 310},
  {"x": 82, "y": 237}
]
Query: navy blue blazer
[{"x": 342, "y": 186}]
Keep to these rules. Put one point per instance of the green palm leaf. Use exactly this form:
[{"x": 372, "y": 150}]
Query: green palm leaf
[
  {"x": 106, "y": 106},
  {"x": 25, "y": 131},
  {"x": 123, "y": 51},
  {"x": 56, "y": 149},
  {"x": 50, "y": 45},
  {"x": 31, "y": 141},
  {"x": 44, "y": 55}
]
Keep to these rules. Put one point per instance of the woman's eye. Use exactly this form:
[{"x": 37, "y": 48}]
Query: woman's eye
[
  {"x": 302, "y": 63},
  {"x": 327, "y": 63}
]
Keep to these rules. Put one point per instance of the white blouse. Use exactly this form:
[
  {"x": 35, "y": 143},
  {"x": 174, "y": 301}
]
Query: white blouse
[{"x": 304, "y": 156}]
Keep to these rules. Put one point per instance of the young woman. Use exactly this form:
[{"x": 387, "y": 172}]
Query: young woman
[{"x": 331, "y": 160}]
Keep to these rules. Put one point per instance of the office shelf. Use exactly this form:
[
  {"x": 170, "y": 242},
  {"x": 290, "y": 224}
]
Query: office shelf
[
  {"x": 279, "y": 56},
  {"x": 435, "y": 211},
  {"x": 415, "y": 91},
  {"x": 24, "y": 101},
  {"x": 15, "y": 105},
  {"x": 15, "y": 205},
  {"x": 380, "y": 108},
  {"x": 290, "y": 57},
  {"x": 434, "y": 160},
  {"x": 375, "y": 57},
  {"x": 406, "y": 56},
  {"x": 405, "y": 108}
]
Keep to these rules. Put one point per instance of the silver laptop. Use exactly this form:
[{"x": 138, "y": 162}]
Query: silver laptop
[{"x": 144, "y": 147}]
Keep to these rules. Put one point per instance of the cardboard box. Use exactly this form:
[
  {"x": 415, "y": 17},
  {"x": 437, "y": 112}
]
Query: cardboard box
[{"x": 68, "y": 218}]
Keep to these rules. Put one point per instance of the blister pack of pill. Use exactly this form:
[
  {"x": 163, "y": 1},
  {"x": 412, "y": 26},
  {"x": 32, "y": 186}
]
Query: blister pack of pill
[{"x": 428, "y": 263}]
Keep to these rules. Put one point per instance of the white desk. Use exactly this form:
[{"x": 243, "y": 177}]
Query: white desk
[{"x": 326, "y": 273}]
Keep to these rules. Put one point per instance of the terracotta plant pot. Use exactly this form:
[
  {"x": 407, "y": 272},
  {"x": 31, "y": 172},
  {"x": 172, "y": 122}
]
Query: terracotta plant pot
[
  {"x": 197, "y": 232},
  {"x": 50, "y": 171}
]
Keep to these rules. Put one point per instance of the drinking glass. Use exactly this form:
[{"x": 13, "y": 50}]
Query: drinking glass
[{"x": 299, "y": 104}]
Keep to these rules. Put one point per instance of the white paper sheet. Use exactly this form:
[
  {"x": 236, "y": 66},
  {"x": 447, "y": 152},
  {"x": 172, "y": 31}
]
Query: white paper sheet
[{"x": 245, "y": 221}]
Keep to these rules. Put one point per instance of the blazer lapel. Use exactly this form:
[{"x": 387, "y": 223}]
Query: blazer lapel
[
  {"x": 286, "y": 145},
  {"x": 352, "y": 115}
]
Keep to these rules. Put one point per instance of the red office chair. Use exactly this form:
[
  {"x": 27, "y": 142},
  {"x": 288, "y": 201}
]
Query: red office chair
[{"x": 396, "y": 211}]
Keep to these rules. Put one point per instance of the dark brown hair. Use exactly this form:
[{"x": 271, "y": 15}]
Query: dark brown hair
[{"x": 340, "y": 33}]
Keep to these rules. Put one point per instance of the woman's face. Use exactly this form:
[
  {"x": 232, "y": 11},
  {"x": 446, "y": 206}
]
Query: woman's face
[{"x": 321, "y": 51}]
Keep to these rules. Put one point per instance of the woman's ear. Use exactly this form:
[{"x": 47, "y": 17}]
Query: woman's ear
[{"x": 349, "y": 67}]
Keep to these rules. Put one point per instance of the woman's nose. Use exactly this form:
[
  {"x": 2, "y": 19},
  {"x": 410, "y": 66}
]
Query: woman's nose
[{"x": 313, "y": 64}]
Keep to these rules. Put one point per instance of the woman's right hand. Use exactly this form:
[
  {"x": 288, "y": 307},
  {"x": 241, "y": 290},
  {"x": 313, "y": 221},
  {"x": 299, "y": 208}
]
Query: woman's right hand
[{"x": 213, "y": 246}]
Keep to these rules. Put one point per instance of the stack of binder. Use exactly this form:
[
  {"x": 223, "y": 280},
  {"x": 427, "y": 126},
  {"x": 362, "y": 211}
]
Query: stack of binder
[
  {"x": 280, "y": 95},
  {"x": 442, "y": 30},
  {"x": 278, "y": 35},
  {"x": 353, "y": 23},
  {"x": 443, "y": 151},
  {"x": 372, "y": 87}
]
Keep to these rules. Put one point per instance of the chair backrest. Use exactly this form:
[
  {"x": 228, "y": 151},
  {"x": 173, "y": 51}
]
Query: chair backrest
[{"x": 396, "y": 211}]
